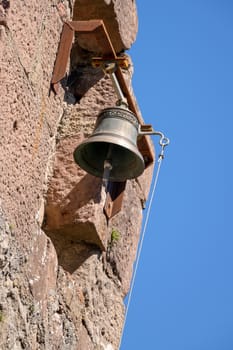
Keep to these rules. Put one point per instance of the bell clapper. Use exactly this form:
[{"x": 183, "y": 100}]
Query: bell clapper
[
  {"x": 107, "y": 167},
  {"x": 106, "y": 173}
]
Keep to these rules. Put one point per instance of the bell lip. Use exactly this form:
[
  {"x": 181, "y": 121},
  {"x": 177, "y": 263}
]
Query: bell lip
[{"x": 95, "y": 172}]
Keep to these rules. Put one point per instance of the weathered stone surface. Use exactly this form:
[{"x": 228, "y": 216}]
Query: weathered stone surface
[
  {"x": 62, "y": 291},
  {"x": 120, "y": 19},
  {"x": 42, "y": 270},
  {"x": 29, "y": 117}
]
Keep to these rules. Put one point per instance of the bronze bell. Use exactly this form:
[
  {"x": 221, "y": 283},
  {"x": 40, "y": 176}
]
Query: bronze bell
[{"x": 112, "y": 144}]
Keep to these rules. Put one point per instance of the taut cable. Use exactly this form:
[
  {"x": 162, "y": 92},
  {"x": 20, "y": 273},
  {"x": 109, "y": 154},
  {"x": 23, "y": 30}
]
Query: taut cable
[{"x": 163, "y": 143}]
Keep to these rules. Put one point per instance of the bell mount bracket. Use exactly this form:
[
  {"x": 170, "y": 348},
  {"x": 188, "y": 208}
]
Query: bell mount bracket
[{"x": 97, "y": 29}]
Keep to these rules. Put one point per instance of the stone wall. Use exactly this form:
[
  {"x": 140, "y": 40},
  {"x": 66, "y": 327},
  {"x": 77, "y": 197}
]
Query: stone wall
[{"x": 64, "y": 274}]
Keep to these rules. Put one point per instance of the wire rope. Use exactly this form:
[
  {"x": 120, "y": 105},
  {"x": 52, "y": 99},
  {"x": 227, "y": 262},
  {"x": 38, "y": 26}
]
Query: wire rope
[{"x": 161, "y": 157}]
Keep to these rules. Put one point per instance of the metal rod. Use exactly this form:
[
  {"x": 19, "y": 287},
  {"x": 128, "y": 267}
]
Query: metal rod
[
  {"x": 110, "y": 69},
  {"x": 116, "y": 86}
]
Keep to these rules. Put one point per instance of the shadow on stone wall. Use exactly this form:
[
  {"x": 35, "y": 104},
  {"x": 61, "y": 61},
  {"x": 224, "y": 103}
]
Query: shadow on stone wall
[
  {"x": 80, "y": 195},
  {"x": 71, "y": 255},
  {"x": 73, "y": 213},
  {"x": 82, "y": 75},
  {"x": 80, "y": 80}
]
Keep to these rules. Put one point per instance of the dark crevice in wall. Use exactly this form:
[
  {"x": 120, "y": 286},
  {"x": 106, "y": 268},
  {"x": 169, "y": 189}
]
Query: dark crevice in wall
[
  {"x": 82, "y": 75},
  {"x": 81, "y": 79}
]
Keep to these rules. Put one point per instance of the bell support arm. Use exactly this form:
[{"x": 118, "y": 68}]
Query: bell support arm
[
  {"x": 147, "y": 129},
  {"x": 97, "y": 29}
]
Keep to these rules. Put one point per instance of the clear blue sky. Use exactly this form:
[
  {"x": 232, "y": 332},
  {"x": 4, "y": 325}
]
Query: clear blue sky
[{"x": 183, "y": 81}]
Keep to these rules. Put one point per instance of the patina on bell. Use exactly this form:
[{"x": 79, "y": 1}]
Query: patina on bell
[{"x": 114, "y": 142}]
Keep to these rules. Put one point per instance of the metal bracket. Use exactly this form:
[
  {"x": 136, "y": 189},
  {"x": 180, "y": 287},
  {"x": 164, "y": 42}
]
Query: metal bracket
[
  {"x": 121, "y": 61},
  {"x": 147, "y": 129},
  {"x": 97, "y": 29}
]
